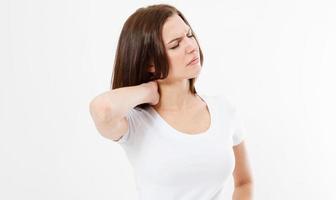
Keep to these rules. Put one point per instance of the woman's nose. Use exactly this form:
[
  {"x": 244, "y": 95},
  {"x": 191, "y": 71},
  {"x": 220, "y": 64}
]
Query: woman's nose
[{"x": 191, "y": 46}]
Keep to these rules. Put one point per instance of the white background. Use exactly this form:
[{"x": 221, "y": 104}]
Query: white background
[{"x": 275, "y": 60}]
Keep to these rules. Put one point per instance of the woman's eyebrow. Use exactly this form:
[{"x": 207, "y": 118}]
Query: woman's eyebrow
[{"x": 179, "y": 38}]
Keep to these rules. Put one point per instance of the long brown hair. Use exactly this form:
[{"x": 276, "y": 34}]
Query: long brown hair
[{"x": 140, "y": 44}]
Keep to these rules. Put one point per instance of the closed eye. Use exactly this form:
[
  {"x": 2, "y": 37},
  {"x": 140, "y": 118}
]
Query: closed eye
[{"x": 178, "y": 44}]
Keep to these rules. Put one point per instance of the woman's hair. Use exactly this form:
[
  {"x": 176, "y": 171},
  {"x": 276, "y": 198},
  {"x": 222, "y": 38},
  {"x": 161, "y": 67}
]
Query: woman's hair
[{"x": 140, "y": 44}]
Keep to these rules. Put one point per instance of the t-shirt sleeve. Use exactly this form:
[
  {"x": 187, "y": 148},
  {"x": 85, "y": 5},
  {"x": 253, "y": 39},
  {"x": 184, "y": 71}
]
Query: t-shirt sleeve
[
  {"x": 131, "y": 116},
  {"x": 238, "y": 134},
  {"x": 238, "y": 127}
]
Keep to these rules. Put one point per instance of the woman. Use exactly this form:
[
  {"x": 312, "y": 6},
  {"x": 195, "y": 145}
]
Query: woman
[{"x": 180, "y": 144}]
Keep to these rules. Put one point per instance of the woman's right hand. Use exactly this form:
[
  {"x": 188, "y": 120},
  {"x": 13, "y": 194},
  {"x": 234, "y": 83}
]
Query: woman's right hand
[{"x": 153, "y": 96}]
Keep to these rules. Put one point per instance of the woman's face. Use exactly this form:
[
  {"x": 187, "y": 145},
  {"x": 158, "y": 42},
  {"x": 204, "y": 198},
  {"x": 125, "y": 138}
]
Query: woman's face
[{"x": 181, "y": 48}]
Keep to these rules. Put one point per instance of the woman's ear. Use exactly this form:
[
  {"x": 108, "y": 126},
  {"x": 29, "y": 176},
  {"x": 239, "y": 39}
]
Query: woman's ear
[
  {"x": 151, "y": 71},
  {"x": 151, "y": 68}
]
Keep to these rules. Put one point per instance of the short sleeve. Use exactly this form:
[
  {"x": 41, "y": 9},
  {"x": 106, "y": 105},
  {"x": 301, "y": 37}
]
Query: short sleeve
[
  {"x": 238, "y": 134},
  {"x": 238, "y": 128},
  {"x": 131, "y": 118}
]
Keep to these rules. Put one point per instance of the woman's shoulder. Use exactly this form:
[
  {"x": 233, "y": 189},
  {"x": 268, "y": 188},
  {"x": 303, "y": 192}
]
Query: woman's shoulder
[
  {"x": 221, "y": 97},
  {"x": 139, "y": 113},
  {"x": 221, "y": 100}
]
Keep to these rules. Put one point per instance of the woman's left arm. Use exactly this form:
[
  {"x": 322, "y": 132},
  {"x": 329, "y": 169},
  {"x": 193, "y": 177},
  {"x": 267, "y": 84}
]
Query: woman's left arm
[{"x": 242, "y": 174}]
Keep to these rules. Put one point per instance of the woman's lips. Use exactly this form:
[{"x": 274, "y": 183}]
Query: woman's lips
[{"x": 195, "y": 61}]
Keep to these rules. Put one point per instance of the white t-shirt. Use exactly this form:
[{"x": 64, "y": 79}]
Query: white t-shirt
[{"x": 172, "y": 165}]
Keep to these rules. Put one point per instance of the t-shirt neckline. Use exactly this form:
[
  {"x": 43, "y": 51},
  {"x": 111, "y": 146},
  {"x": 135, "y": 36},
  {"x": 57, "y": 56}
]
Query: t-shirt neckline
[{"x": 178, "y": 133}]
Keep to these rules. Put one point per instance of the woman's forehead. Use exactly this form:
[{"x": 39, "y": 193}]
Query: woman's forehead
[{"x": 174, "y": 27}]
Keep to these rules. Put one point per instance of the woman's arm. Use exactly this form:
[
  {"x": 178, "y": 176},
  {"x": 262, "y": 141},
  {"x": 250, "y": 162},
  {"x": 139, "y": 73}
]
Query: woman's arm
[
  {"x": 242, "y": 174},
  {"x": 109, "y": 109}
]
